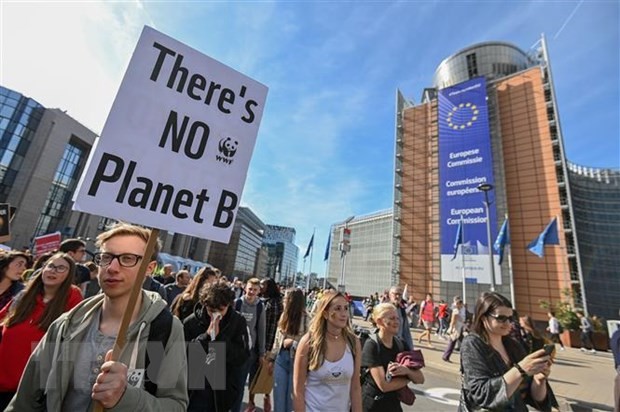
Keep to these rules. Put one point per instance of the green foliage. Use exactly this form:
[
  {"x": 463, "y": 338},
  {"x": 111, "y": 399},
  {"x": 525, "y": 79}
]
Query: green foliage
[{"x": 564, "y": 311}]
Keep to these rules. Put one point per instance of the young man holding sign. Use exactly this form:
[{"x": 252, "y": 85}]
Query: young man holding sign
[{"x": 71, "y": 367}]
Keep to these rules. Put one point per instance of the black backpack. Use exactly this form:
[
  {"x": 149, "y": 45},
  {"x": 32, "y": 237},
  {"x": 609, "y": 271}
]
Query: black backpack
[{"x": 160, "y": 330}]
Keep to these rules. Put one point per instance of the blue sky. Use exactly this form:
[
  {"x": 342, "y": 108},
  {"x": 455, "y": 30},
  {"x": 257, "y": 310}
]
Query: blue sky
[{"x": 325, "y": 148}]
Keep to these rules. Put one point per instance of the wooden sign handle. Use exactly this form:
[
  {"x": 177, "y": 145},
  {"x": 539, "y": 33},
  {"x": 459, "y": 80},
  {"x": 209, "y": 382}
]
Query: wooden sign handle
[{"x": 121, "y": 337}]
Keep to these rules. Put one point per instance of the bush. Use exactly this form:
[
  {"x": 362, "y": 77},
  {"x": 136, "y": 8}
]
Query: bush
[{"x": 563, "y": 311}]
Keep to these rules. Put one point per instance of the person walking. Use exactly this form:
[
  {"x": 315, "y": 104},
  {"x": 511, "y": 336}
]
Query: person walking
[
  {"x": 614, "y": 344},
  {"x": 183, "y": 305},
  {"x": 532, "y": 338},
  {"x": 427, "y": 318},
  {"x": 586, "y": 333},
  {"x": 497, "y": 374},
  {"x": 253, "y": 310},
  {"x": 382, "y": 376},
  {"x": 26, "y": 319},
  {"x": 327, "y": 363},
  {"x": 292, "y": 326},
  {"x": 71, "y": 367},
  {"x": 12, "y": 265},
  {"x": 554, "y": 329},
  {"x": 215, "y": 321},
  {"x": 455, "y": 330},
  {"x": 396, "y": 299}
]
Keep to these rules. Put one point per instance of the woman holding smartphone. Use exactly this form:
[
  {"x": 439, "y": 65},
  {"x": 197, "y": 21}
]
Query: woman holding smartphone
[{"x": 497, "y": 374}]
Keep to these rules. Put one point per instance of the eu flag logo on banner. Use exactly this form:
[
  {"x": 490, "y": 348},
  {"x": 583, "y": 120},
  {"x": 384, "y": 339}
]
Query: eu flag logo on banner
[
  {"x": 459, "y": 238},
  {"x": 462, "y": 116},
  {"x": 503, "y": 238},
  {"x": 549, "y": 236}
]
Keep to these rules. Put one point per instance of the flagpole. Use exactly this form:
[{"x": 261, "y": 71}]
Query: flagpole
[
  {"x": 326, "y": 258},
  {"x": 325, "y": 276},
  {"x": 463, "y": 260},
  {"x": 310, "y": 270},
  {"x": 512, "y": 280}
]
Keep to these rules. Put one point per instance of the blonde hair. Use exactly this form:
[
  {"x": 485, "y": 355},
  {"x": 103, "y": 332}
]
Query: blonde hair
[
  {"x": 379, "y": 311},
  {"x": 318, "y": 332},
  {"x": 127, "y": 229}
]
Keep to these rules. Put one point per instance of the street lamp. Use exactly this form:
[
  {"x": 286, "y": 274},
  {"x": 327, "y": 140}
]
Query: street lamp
[
  {"x": 344, "y": 248},
  {"x": 486, "y": 188}
]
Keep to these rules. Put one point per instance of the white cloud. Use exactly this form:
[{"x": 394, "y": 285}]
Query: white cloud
[{"x": 69, "y": 55}]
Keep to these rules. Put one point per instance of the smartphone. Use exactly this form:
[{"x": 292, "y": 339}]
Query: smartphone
[{"x": 549, "y": 348}]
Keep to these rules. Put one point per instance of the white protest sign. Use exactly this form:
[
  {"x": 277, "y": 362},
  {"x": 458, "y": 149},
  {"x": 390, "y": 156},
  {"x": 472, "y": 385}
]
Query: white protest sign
[{"x": 175, "y": 149}]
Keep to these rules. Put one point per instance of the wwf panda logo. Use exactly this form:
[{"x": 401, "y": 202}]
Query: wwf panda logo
[{"x": 228, "y": 147}]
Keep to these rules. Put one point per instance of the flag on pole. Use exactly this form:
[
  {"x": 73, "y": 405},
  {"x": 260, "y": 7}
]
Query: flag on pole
[
  {"x": 549, "y": 236},
  {"x": 329, "y": 241},
  {"x": 503, "y": 238},
  {"x": 459, "y": 238},
  {"x": 309, "y": 246}
]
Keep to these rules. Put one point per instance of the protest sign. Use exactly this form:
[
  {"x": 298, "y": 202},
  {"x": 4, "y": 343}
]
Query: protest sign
[
  {"x": 175, "y": 149},
  {"x": 47, "y": 243}
]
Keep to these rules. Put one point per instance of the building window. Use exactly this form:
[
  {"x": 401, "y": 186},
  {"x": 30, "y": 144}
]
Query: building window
[
  {"x": 58, "y": 198},
  {"x": 472, "y": 65},
  {"x": 19, "y": 119}
]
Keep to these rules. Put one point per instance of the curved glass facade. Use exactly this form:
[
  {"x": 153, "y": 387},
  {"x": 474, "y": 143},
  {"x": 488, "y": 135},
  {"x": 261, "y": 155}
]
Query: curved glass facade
[
  {"x": 19, "y": 119},
  {"x": 595, "y": 196},
  {"x": 490, "y": 59}
]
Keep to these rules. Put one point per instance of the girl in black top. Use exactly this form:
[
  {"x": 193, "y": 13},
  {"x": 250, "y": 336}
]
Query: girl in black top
[{"x": 384, "y": 377}]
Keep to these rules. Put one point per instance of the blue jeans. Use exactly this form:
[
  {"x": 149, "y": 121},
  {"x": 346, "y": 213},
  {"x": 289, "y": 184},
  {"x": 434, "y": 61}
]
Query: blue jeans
[
  {"x": 283, "y": 382},
  {"x": 249, "y": 368}
]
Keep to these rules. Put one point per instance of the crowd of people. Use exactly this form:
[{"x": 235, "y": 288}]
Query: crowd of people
[{"x": 60, "y": 318}]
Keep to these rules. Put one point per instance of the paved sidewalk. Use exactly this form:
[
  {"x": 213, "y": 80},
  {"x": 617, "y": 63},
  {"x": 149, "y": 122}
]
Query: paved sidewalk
[{"x": 581, "y": 381}]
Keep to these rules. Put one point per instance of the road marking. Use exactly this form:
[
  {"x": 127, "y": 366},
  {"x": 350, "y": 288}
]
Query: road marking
[{"x": 440, "y": 395}]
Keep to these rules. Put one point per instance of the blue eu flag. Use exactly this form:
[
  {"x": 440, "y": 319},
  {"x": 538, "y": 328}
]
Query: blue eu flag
[
  {"x": 549, "y": 236},
  {"x": 503, "y": 238},
  {"x": 309, "y": 246},
  {"x": 459, "y": 238}
]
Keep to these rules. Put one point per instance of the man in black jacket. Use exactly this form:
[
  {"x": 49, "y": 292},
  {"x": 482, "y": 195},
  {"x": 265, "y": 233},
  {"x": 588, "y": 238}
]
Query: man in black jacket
[{"x": 214, "y": 320}]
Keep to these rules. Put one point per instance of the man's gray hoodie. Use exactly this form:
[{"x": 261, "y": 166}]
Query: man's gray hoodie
[{"x": 45, "y": 381}]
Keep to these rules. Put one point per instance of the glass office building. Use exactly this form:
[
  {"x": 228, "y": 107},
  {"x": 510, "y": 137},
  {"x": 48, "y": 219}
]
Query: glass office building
[
  {"x": 19, "y": 119},
  {"x": 282, "y": 253},
  {"x": 595, "y": 195},
  {"x": 241, "y": 257}
]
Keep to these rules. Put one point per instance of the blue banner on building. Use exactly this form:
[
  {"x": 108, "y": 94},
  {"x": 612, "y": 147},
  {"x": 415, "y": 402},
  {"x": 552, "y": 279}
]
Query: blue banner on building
[{"x": 465, "y": 161}]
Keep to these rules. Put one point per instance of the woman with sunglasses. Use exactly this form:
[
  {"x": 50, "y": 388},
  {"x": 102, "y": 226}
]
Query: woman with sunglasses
[
  {"x": 497, "y": 374},
  {"x": 25, "y": 321},
  {"x": 327, "y": 363}
]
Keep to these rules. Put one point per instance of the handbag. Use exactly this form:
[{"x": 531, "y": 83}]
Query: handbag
[
  {"x": 262, "y": 382},
  {"x": 406, "y": 395},
  {"x": 412, "y": 359}
]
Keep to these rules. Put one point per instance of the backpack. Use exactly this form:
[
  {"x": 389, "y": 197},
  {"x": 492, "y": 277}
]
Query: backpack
[
  {"x": 365, "y": 372},
  {"x": 159, "y": 331}
]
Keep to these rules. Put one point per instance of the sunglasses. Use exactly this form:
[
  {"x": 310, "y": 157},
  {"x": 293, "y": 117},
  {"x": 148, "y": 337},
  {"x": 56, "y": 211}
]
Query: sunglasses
[{"x": 501, "y": 318}]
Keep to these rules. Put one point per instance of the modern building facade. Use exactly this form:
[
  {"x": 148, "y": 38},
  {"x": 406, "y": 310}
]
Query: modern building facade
[
  {"x": 282, "y": 253},
  {"x": 595, "y": 195},
  {"x": 243, "y": 257},
  {"x": 490, "y": 118},
  {"x": 367, "y": 264}
]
